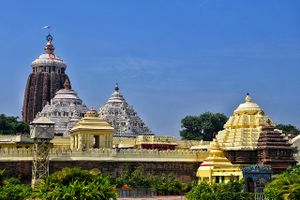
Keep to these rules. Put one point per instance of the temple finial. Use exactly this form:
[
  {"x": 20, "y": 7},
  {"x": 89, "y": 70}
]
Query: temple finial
[
  {"x": 49, "y": 48},
  {"x": 248, "y": 98},
  {"x": 117, "y": 87},
  {"x": 67, "y": 85}
]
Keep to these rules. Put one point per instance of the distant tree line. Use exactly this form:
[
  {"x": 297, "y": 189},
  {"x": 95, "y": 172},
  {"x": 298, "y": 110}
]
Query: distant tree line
[
  {"x": 206, "y": 125},
  {"x": 11, "y": 125},
  {"x": 202, "y": 127},
  {"x": 288, "y": 129}
]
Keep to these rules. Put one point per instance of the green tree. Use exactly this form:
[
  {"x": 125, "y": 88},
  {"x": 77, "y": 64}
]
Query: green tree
[
  {"x": 139, "y": 178},
  {"x": 13, "y": 189},
  {"x": 202, "y": 127},
  {"x": 288, "y": 129},
  {"x": 200, "y": 192},
  {"x": 163, "y": 184},
  {"x": 74, "y": 183},
  {"x": 167, "y": 184},
  {"x": 285, "y": 186},
  {"x": 2, "y": 173},
  {"x": 11, "y": 125},
  {"x": 233, "y": 190}
]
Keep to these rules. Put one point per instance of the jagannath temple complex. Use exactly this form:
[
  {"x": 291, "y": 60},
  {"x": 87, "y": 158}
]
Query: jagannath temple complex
[
  {"x": 47, "y": 77},
  {"x": 122, "y": 116},
  {"x": 115, "y": 138}
]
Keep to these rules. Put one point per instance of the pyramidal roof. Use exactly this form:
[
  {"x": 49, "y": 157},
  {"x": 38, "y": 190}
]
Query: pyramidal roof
[
  {"x": 122, "y": 116},
  {"x": 91, "y": 121},
  {"x": 216, "y": 157},
  {"x": 242, "y": 130},
  {"x": 65, "y": 109},
  {"x": 216, "y": 163}
]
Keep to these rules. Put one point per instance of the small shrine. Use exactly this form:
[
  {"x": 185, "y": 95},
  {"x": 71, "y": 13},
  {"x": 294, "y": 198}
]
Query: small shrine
[
  {"x": 256, "y": 177},
  {"x": 216, "y": 168},
  {"x": 91, "y": 132}
]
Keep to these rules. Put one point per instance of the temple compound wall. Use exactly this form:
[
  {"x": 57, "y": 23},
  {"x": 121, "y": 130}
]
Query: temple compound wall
[
  {"x": 185, "y": 171},
  {"x": 183, "y": 164}
]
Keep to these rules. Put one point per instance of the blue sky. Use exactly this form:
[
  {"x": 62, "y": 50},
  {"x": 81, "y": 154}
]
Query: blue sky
[{"x": 171, "y": 58}]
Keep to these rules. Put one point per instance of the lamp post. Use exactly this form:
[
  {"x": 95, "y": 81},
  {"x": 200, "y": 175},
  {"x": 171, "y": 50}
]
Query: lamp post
[{"x": 42, "y": 131}]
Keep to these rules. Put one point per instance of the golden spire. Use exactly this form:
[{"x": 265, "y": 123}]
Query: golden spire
[
  {"x": 248, "y": 98},
  {"x": 91, "y": 113}
]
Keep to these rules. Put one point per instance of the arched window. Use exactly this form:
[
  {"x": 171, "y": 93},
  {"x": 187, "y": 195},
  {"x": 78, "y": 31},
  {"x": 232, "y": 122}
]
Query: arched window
[{"x": 250, "y": 184}]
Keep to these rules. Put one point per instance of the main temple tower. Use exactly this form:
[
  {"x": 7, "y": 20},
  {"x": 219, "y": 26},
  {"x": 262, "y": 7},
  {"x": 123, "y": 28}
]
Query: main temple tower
[{"x": 47, "y": 77}]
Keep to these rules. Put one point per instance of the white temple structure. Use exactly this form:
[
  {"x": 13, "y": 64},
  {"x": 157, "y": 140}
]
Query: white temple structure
[
  {"x": 122, "y": 116},
  {"x": 65, "y": 109}
]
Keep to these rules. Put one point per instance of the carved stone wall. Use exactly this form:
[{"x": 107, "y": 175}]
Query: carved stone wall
[
  {"x": 40, "y": 89},
  {"x": 184, "y": 171},
  {"x": 248, "y": 157}
]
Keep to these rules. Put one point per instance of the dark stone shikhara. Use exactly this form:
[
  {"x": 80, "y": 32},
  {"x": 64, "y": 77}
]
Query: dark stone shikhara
[
  {"x": 47, "y": 77},
  {"x": 274, "y": 150}
]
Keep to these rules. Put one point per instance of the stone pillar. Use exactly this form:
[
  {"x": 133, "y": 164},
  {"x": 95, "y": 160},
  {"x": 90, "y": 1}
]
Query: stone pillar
[
  {"x": 80, "y": 142},
  {"x": 72, "y": 142}
]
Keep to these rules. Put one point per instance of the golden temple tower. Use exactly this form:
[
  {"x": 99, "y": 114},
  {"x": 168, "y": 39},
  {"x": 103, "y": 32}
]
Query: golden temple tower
[
  {"x": 216, "y": 168},
  {"x": 241, "y": 132}
]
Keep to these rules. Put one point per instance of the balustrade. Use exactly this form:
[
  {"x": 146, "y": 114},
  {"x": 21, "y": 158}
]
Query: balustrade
[{"x": 129, "y": 154}]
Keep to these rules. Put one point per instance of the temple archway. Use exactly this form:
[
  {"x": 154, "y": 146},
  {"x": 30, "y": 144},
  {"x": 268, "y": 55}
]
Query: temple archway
[{"x": 250, "y": 184}]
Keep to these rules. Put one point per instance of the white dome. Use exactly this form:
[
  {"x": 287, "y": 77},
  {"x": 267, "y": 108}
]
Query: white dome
[
  {"x": 116, "y": 97},
  {"x": 66, "y": 94},
  {"x": 48, "y": 60},
  {"x": 248, "y": 107}
]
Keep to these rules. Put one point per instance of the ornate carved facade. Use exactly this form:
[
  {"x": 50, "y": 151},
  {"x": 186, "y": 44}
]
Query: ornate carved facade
[
  {"x": 47, "y": 77},
  {"x": 65, "y": 109},
  {"x": 122, "y": 117},
  {"x": 274, "y": 149},
  {"x": 249, "y": 138},
  {"x": 240, "y": 136}
]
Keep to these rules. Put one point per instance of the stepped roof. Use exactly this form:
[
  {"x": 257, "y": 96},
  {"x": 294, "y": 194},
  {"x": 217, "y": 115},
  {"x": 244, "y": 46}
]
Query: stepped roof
[
  {"x": 91, "y": 121},
  {"x": 242, "y": 130},
  {"x": 122, "y": 116},
  {"x": 65, "y": 109},
  {"x": 216, "y": 164}
]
